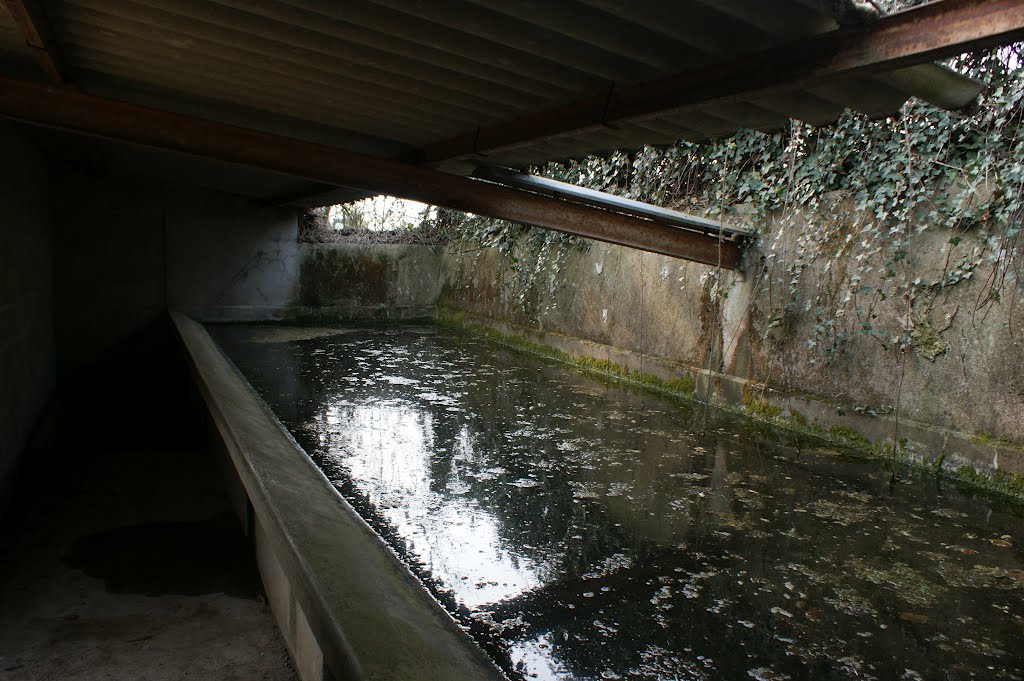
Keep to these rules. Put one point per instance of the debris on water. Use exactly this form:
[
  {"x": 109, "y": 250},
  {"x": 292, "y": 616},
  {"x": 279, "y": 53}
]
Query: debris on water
[
  {"x": 767, "y": 674},
  {"x": 849, "y": 602},
  {"x": 693, "y": 477},
  {"x": 914, "y": 617},
  {"x": 842, "y": 514},
  {"x": 400, "y": 380},
  {"x": 948, "y": 513},
  {"x": 907, "y": 583},
  {"x": 577, "y": 529}
]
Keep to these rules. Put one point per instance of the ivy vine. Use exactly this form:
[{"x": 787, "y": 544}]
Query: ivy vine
[{"x": 837, "y": 208}]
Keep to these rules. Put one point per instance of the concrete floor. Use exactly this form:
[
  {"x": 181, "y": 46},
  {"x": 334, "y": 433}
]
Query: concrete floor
[{"x": 121, "y": 560}]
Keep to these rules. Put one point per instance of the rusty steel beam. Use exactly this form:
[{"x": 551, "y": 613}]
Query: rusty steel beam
[
  {"x": 922, "y": 34},
  {"x": 34, "y": 26},
  {"x": 65, "y": 109},
  {"x": 620, "y": 204}
]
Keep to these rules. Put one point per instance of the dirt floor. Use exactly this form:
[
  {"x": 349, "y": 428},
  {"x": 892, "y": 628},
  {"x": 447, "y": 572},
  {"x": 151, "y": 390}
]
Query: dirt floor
[{"x": 121, "y": 559}]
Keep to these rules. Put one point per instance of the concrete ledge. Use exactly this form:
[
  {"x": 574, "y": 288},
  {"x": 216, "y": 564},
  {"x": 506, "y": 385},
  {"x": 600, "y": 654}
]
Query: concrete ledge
[{"x": 347, "y": 607}]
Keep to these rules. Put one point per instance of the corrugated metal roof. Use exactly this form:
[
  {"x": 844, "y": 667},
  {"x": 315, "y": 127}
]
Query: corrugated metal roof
[{"x": 410, "y": 73}]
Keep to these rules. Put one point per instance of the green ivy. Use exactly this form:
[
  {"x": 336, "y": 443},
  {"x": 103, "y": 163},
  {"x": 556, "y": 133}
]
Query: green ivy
[{"x": 842, "y": 201}]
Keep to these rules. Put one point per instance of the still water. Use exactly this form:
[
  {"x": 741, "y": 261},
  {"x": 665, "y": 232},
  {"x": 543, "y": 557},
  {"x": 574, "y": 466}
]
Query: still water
[{"x": 583, "y": 530}]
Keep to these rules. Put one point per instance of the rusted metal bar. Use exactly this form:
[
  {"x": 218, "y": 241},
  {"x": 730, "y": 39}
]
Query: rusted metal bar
[
  {"x": 35, "y": 28},
  {"x": 591, "y": 197},
  {"x": 922, "y": 34},
  {"x": 73, "y": 111}
]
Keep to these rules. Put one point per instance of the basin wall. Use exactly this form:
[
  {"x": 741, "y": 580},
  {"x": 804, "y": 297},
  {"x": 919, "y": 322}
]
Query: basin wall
[
  {"x": 732, "y": 336},
  {"x": 27, "y": 348}
]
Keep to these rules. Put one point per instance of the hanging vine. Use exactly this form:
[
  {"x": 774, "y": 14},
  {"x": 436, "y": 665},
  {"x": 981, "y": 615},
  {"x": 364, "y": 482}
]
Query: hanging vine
[{"x": 837, "y": 208}]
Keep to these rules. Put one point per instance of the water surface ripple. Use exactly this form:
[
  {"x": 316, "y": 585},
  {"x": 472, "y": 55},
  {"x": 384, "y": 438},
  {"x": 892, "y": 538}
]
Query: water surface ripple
[{"x": 587, "y": 531}]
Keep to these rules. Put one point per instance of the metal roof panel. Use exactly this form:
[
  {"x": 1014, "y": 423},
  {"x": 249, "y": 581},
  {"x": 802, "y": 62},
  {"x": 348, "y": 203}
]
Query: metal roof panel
[{"x": 397, "y": 74}]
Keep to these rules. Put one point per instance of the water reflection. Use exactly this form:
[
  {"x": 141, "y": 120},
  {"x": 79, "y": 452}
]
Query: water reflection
[
  {"x": 586, "y": 532},
  {"x": 388, "y": 446}
]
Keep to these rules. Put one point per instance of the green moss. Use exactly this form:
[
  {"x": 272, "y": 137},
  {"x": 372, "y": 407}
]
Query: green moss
[
  {"x": 760, "y": 408},
  {"x": 1014, "y": 482},
  {"x": 847, "y": 434},
  {"x": 603, "y": 368},
  {"x": 926, "y": 341},
  {"x": 968, "y": 474},
  {"x": 1009, "y": 485},
  {"x": 332, "y": 276},
  {"x": 681, "y": 385},
  {"x": 984, "y": 439}
]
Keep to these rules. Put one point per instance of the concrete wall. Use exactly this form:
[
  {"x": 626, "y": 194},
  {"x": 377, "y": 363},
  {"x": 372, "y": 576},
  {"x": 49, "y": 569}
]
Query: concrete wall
[
  {"x": 109, "y": 268},
  {"x": 228, "y": 258},
  {"x": 368, "y": 281},
  {"x": 27, "y": 357},
  {"x": 126, "y": 249},
  {"x": 740, "y": 345}
]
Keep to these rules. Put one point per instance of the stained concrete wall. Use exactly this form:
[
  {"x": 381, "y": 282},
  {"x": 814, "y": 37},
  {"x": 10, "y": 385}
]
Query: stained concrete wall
[
  {"x": 109, "y": 269},
  {"x": 127, "y": 249},
  {"x": 229, "y": 258},
  {"x": 674, "y": 319},
  {"x": 27, "y": 356},
  {"x": 368, "y": 281}
]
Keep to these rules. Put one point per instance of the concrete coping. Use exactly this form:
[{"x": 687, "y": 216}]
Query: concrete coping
[{"x": 370, "y": 616}]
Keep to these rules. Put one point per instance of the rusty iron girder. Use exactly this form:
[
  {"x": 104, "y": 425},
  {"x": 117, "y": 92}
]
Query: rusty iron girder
[{"x": 65, "y": 109}]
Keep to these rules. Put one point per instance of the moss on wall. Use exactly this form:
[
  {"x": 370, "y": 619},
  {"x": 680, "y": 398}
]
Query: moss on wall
[
  {"x": 341, "y": 281},
  {"x": 330, "y": 276}
]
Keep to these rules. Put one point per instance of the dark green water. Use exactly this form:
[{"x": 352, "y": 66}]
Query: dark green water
[{"x": 587, "y": 531}]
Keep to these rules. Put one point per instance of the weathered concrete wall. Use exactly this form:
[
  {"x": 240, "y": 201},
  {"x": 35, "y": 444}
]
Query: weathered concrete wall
[
  {"x": 368, "y": 281},
  {"x": 109, "y": 268},
  {"x": 127, "y": 249},
  {"x": 229, "y": 259},
  {"x": 27, "y": 356},
  {"x": 740, "y": 344}
]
